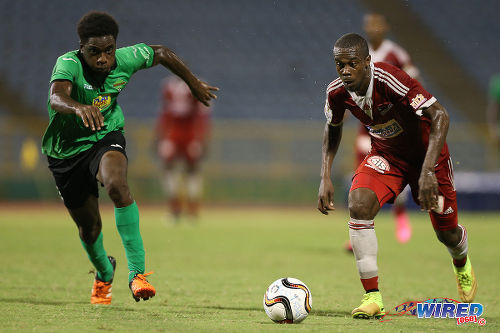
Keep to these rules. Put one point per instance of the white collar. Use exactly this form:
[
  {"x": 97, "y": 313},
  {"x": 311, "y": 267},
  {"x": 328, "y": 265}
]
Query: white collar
[{"x": 365, "y": 102}]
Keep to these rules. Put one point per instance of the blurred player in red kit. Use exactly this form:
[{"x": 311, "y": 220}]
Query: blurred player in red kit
[
  {"x": 182, "y": 132},
  {"x": 385, "y": 50}
]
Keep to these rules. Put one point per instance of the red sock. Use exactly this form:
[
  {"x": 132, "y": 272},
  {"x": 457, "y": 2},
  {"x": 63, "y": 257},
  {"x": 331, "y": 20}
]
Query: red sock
[
  {"x": 459, "y": 262},
  {"x": 370, "y": 284}
]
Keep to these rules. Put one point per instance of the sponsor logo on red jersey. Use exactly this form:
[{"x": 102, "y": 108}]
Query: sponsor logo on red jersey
[
  {"x": 378, "y": 163},
  {"x": 417, "y": 101},
  {"x": 383, "y": 109},
  {"x": 386, "y": 130}
]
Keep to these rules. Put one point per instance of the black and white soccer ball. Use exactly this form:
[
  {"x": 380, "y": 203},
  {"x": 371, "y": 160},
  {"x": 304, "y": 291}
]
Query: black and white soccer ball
[{"x": 287, "y": 300}]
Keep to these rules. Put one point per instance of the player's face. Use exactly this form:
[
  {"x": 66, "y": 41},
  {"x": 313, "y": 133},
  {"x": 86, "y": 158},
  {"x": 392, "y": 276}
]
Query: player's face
[
  {"x": 353, "y": 69},
  {"x": 99, "y": 53}
]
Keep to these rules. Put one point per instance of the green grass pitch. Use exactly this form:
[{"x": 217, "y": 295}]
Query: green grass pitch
[{"x": 211, "y": 277}]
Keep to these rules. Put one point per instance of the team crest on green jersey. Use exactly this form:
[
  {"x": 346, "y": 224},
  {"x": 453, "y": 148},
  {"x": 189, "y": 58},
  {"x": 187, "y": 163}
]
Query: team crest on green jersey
[{"x": 102, "y": 101}]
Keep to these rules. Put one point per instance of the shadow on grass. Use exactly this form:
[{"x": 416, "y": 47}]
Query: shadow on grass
[
  {"x": 218, "y": 307},
  {"x": 37, "y": 301},
  {"x": 45, "y": 302},
  {"x": 323, "y": 313},
  {"x": 319, "y": 313}
]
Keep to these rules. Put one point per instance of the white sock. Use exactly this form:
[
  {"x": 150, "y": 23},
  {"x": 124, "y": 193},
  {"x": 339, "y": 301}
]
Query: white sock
[
  {"x": 365, "y": 247},
  {"x": 171, "y": 183},
  {"x": 194, "y": 186},
  {"x": 460, "y": 251}
]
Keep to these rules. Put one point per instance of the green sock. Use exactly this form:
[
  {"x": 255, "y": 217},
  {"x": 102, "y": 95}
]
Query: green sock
[
  {"x": 127, "y": 222},
  {"x": 99, "y": 259}
]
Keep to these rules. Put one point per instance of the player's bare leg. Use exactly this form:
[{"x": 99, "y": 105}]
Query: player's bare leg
[
  {"x": 171, "y": 178},
  {"x": 194, "y": 187},
  {"x": 171, "y": 185},
  {"x": 88, "y": 221},
  {"x": 113, "y": 175},
  {"x": 363, "y": 207}
]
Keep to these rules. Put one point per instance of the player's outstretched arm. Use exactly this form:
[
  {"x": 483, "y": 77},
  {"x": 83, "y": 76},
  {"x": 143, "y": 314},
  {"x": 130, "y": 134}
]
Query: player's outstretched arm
[
  {"x": 331, "y": 141},
  {"x": 201, "y": 90},
  {"x": 428, "y": 185},
  {"x": 61, "y": 101}
]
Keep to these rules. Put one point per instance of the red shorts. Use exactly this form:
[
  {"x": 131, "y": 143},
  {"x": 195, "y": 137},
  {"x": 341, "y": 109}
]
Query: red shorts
[
  {"x": 387, "y": 179},
  {"x": 184, "y": 139},
  {"x": 187, "y": 148}
]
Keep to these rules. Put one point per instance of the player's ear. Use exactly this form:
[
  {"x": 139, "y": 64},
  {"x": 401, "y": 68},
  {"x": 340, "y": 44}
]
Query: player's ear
[{"x": 368, "y": 60}]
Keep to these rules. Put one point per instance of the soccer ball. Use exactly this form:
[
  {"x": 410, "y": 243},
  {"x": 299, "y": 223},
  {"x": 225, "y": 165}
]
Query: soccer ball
[{"x": 287, "y": 300}]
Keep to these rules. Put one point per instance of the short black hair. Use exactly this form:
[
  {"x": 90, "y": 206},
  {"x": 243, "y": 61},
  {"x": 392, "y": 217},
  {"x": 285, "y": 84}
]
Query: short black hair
[
  {"x": 352, "y": 40},
  {"x": 97, "y": 24}
]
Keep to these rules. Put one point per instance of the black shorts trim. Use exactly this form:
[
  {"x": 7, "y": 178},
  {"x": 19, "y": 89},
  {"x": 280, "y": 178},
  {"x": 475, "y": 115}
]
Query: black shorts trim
[{"x": 75, "y": 177}]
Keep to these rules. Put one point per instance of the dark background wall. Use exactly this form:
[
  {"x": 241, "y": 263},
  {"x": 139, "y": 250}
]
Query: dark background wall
[{"x": 272, "y": 61}]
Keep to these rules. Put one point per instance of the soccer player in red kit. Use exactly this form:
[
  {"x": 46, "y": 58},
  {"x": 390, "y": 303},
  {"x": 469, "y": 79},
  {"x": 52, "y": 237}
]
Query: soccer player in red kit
[
  {"x": 385, "y": 50},
  {"x": 408, "y": 128},
  {"x": 182, "y": 132}
]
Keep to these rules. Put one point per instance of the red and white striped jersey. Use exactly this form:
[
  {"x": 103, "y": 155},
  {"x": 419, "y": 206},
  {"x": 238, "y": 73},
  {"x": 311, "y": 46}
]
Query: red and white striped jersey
[
  {"x": 391, "y": 110},
  {"x": 178, "y": 100},
  {"x": 391, "y": 53},
  {"x": 182, "y": 116}
]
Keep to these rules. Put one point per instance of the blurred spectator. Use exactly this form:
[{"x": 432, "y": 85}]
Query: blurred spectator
[
  {"x": 182, "y": 132},
  {"x": 384, "y": 50},
  {"x": 492, "y": 110}
]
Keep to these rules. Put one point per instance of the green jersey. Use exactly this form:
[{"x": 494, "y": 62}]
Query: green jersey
[{"x": 66, "y": 134}]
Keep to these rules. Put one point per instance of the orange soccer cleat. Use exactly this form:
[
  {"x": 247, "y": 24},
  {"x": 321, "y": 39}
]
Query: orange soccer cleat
[
  {"x": 101, "y": 291},
  {"x": 141, "y": 288}
]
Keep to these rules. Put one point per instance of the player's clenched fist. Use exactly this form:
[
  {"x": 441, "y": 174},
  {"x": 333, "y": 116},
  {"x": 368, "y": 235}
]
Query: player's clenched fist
[
  {"x": 325, "y": 196},
  {"x": 91, "y": 116},
  {"x": 428, "y": 190}
]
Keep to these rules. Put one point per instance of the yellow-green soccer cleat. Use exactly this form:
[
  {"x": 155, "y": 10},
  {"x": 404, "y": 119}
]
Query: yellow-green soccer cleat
[
  {"x": 371, "y": 306},
  {"x": 466, "y": 282}
]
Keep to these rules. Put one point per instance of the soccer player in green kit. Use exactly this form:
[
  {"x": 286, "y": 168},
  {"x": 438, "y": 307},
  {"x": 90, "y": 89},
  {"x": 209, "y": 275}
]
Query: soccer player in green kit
[{"x": 84, "y": 141}]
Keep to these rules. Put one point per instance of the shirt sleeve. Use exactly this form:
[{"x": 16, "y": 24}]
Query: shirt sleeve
[
  {"x": 65, "y": 68},
  {"x": 333, "y": 113},
  {"x": 419, "y": 98},
  {"x": 136, "y": 57},
  {"x": 406, "y": 90}
]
